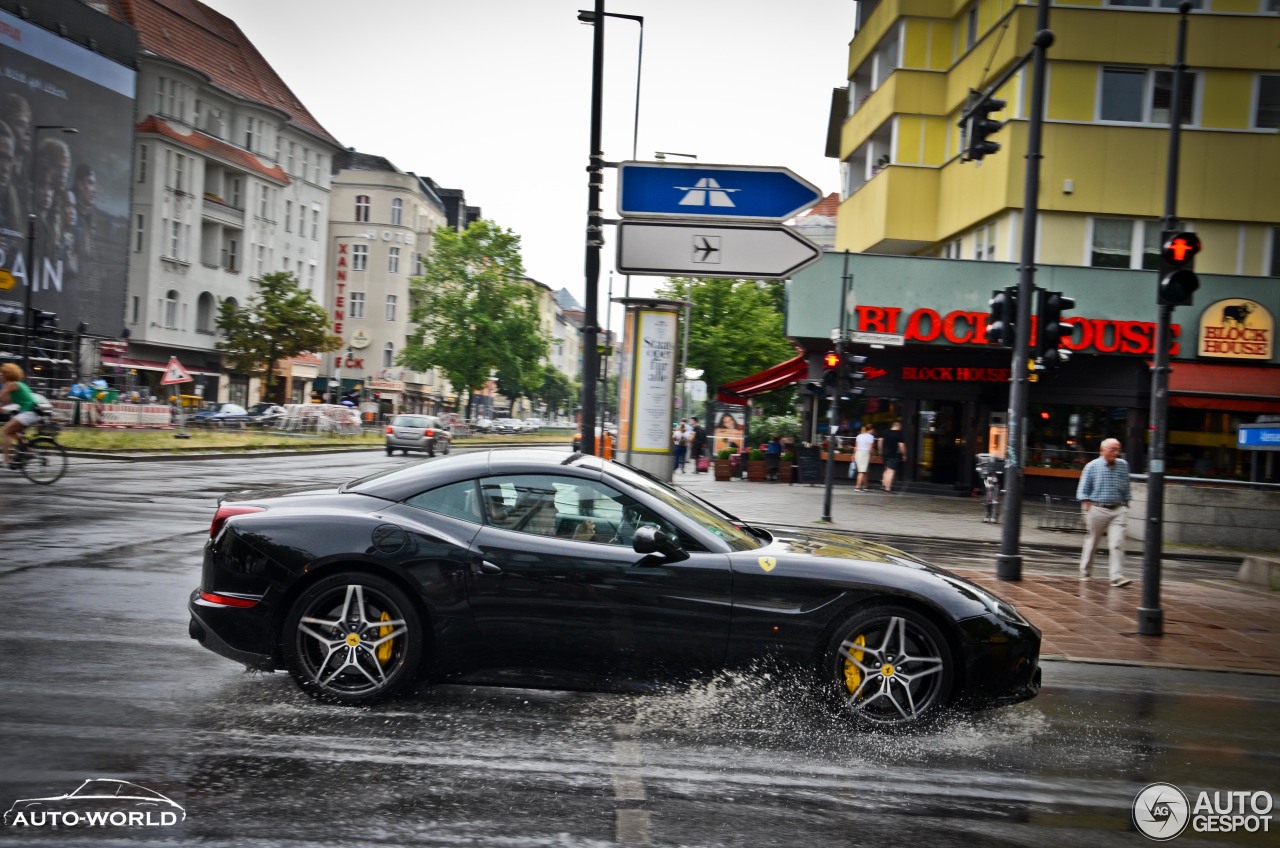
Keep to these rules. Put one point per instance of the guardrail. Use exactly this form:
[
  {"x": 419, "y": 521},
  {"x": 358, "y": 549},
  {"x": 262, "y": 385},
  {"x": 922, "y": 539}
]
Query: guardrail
[{"x": 1211, "y": 481}]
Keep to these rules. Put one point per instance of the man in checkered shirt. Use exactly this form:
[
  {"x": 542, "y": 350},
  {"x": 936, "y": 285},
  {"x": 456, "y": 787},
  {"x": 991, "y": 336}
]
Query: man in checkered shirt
[{"x": 1104, "y": 495}]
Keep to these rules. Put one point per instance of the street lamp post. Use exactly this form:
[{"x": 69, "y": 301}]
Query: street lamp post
[
  {"x": 595, "y": 216},
  {"x": 31, "y": 241}
]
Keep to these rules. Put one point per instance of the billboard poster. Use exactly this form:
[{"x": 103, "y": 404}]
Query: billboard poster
[
  {"x": 652, "y": 383},
  {"x": 76, "y": 184},
  {"x": 728, "y": 428}
]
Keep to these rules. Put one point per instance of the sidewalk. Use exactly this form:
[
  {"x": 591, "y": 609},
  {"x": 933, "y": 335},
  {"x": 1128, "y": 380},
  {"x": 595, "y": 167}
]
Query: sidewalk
[{"x": 1211, "y": 621}]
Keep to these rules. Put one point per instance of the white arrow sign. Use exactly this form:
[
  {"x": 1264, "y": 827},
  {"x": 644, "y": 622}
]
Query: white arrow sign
[{"x": 712, "y": 250}]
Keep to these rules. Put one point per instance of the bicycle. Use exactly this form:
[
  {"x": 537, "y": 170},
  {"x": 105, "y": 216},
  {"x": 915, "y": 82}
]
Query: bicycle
[
  {"x": 39, "y": 457},
  {"x": 989, "y": 469}
]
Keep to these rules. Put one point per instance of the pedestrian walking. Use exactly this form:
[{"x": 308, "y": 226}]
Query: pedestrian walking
[
  {"x": 680, "y": 443},
  {"x": 698, "y": 443},
  {"x": 1103, "y": 493},
  {"x": 862, "y": 446},
  {"x": 893, "y": 451}
]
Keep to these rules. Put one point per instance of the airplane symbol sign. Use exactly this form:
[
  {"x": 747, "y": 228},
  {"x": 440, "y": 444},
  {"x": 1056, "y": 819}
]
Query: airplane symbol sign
[{"x": 712, "y": 249}]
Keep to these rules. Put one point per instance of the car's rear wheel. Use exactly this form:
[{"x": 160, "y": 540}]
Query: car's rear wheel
[
  {"x": 391, "y": 452},
  {"x": 889, "y": 666},
  {"x": 447, "y": 445},
  {"x": 353, "y": 639}
]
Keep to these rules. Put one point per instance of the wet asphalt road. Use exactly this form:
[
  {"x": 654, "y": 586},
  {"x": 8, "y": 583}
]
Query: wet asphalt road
[{"x": 101, "y": 681}]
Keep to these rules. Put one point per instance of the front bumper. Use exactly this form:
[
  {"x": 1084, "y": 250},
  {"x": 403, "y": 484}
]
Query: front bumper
[{"x": 1002, "y": 661}]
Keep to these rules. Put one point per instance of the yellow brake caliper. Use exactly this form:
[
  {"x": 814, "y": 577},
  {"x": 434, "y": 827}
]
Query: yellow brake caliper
[
  {"x": 853, "y": 674},
  {"x": 384, "y": 650}
]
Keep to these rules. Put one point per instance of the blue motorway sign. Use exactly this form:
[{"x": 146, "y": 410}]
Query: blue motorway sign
[
  {"x": 731, "y": 192},
  {"x": 1259, "y": 436}
]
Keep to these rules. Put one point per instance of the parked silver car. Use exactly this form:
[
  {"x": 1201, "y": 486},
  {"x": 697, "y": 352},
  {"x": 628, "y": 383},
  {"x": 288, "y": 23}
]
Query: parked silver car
[{"x": 418, "y": 433}]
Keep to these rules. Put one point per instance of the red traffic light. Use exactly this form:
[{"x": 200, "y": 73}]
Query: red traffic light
[
  {"x": 830, "y": 359},
  {"x": 1180, "y": 248}
]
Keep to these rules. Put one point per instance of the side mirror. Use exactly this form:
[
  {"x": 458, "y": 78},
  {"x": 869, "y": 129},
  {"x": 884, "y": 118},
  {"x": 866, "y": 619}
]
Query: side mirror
[{"x": 651, "y": 540}]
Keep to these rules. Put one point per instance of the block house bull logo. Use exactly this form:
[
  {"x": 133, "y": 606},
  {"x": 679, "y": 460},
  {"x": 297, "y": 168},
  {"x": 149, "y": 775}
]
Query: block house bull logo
[{"x": 1236, "y": 328}]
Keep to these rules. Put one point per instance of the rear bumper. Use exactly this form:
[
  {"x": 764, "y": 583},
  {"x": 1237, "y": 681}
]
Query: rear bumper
[{"x": 209, "y": 621}]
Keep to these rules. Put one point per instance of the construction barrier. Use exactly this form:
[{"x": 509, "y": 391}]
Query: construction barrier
[{"x": 120, "y": 415}]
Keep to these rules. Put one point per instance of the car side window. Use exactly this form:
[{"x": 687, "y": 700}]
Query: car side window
[
  {"x": 457, "y": 499},
  {"x": 565, "y": 507}
]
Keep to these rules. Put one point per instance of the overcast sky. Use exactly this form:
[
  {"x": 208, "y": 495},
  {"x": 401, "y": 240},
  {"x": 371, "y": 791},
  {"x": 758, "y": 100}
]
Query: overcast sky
[{"x": 493, "y": 96}]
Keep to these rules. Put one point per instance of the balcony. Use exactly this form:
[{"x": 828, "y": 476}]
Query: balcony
[{"x": 219, "y": 211}]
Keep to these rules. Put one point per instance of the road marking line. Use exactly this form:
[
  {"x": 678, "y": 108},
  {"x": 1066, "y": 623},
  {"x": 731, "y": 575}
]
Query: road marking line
[
  {"x": 633, "y": 827},
  {"x": 628, "y": 787}
]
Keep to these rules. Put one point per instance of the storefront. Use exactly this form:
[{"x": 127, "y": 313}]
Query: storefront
[{"x": 934, "y": 368}]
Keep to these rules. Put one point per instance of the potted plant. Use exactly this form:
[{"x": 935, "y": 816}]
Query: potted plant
[
  {"x": 785, "y": 463},
  {"x": 724, "y": 465},
  {"x": 755, "y": 465}
]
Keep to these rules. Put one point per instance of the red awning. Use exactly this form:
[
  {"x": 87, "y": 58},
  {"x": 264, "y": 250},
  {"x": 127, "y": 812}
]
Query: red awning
[
  {"x": 148, "y": 365},
  {"x": 1238, "y": 388},
  {"x": 783, "y": 374}
]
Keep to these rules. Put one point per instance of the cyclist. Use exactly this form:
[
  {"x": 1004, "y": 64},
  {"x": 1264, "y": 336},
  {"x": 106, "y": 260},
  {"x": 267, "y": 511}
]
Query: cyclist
[{"x": 17, "y": 392}]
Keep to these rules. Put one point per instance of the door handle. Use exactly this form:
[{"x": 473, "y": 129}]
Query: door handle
[{"x": 487, "y": 567}]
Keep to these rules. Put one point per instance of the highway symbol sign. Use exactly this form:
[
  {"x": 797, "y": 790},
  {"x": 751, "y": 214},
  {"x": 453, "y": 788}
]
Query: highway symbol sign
[
  {"x": 711, "y": 249},
  {"x": 737, "y": 192}
]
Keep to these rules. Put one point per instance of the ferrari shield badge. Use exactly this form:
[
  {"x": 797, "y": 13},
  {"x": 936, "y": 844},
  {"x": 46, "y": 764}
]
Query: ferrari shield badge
[{"x": 767, "y": 563}]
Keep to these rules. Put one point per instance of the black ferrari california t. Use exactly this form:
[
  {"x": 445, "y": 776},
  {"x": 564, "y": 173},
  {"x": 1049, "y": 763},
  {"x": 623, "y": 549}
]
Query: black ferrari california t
[{"x": 546, "y": 562}]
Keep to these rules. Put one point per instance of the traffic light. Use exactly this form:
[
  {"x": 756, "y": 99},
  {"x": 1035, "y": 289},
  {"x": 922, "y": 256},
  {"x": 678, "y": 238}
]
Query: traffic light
[
  {"x": 981, "y": 127},
  {"x": 1004, "y": 312},
  {"x": 830, "y": 360},
  {"x": 42, "y": 321},
  {"x": 1052, "y": 329},
  {"x": 852, "y": 374},
  {"x": 815, "y": 387},
  {"x": 1178, "y": 283}
]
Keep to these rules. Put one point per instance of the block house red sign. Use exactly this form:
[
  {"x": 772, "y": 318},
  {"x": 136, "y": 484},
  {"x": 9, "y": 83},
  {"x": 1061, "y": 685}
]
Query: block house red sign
[{"x": 964, "y": 328}]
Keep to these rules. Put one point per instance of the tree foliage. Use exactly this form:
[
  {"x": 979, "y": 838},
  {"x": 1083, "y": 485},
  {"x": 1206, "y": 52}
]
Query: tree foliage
[
  {"x": 735, "y": 331},
  {"x": 475, "y": 314},
  {"x": 556, "y": 391},
  {"x": 280, "y": 321}
]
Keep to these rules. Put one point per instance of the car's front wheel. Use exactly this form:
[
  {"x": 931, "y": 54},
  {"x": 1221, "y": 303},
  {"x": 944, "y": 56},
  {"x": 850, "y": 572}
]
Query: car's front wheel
[
  {"x": 889, "y": 666},
  {"x": 353, "y": 639}
]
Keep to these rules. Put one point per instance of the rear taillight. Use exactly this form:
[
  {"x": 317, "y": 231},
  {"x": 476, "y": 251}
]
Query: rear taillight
[
  {"x": 225, "y": 511},
  {"x": 227, "y": 600},
  {"x": 388, "y": 429},
  {"x": 431, "y": 433}
]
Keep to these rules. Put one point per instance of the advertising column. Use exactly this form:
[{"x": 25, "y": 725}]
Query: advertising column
[{"x": 650, "y": 356}]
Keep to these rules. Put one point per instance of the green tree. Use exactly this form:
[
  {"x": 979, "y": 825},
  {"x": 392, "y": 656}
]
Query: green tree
[
  {"x": 557, "y": 391},
  {"x": 280, "y": 321},
  {"x": 475, "y": 314},
  {"x": 735, "y": 331}
]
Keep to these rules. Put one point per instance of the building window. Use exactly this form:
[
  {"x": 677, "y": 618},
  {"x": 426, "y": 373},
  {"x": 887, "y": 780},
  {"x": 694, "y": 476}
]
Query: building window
[
  {"x": 362, "y": 208},
  {"x": 290, "y": 168},
  {"x": 1125, "y": 243},
  {"x": 1136, "y": 95},
  {"x": 311, "y": 276},
  {"x": 175, "y": 240},
  {"x": 139, "y": 231},
  {"x": 388, "y": 355},
  {"x": 315, "y": 223},
  {"x": 229, "y": 257},
  {"x": 971, "y": 27},
  {"x": 391, "y": 307},
  {"x": 288, "y": 216},
  {"x": 135, "y": 306},
  {"x": 356, "y": 305},
  {"x": 359, "y": 257},
  {"x": 1266, "y": 113},
  {"x": 205, "y": 312},
  {"x": 397, "y": 211},
  {"x": 264, "y": 203},
  {"x": 261, "y": 263},
  {"x": 142, "y": 163},
  {"x": 237, "y": 199},
  {"x": 393, "y": 261},
  {"x": 169, "y": 308}
]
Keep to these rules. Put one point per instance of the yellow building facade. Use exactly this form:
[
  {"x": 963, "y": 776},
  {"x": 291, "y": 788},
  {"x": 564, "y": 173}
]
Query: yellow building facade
[{"x": 912, "y": 63}]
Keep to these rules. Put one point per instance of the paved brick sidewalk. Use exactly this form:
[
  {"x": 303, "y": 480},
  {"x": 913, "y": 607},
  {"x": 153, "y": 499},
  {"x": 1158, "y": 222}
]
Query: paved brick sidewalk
[{"x": 1210, "y": 622}]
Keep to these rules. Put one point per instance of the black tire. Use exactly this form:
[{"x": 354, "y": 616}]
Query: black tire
[
  {"x": 448, "y": 443},
  {"x": 390, "y": 452},
  {"x": 333, "y": 640},
  {"x": 45, "y": 461},
  {"x": 889, "y": 666},
  {"x": 431, "y": 449}
]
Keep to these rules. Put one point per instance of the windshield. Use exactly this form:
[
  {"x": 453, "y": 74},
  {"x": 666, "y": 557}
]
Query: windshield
[{"x": 719, "y": 523}]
